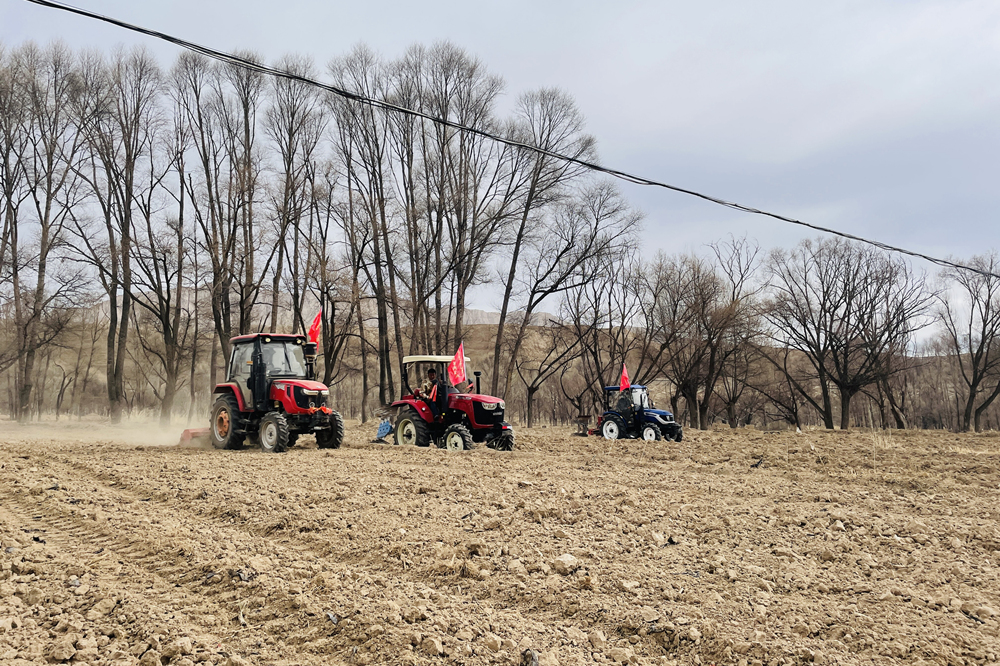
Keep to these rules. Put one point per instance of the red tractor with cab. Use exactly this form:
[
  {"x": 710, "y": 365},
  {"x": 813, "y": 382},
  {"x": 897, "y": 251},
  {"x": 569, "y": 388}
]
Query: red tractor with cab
[
  {"x": 451, "y": 419},
  {"x": 271, "y": 396}
]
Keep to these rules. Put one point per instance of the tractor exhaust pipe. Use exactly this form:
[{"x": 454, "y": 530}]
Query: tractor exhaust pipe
[
  {"x": 478, "y": 374},
  {"x": 310, "y": 351}
]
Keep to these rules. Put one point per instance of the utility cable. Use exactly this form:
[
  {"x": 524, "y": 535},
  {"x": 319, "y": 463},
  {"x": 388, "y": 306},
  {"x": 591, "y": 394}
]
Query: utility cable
[{"x": 389, "y": 106}]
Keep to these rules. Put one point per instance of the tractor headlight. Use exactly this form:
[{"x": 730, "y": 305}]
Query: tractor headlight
[
  {"x": 490, "y": 406},
  {"x": 311, "y": 392}
]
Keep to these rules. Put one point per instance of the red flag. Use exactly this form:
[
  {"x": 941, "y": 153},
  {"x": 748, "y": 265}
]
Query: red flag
[
  {"x": 456, "y": 369},
  {"x": 625, "y": 384},
  {"x": 317, "y": 325}
]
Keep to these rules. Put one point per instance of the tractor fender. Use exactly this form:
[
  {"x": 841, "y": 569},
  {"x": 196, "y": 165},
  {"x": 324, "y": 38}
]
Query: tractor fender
[
  {"x": 234, "y": 388},
  {"x": 418, "y": 405}
]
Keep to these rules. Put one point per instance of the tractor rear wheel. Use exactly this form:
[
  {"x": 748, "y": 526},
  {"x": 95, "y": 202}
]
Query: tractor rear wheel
[
  {"x": 457, "y": 438},
  {"x": 411, "y": 429},
  {"x": 613, "y": 427},
  {"x": 650, "y": 433},
  {"x": 274, "y": 433},
  {"x": 225, "y": 420},
  {"x": 334, "y": 437}
]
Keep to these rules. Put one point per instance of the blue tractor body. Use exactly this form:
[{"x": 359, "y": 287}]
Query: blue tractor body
[{"x": 630, "y": 414}]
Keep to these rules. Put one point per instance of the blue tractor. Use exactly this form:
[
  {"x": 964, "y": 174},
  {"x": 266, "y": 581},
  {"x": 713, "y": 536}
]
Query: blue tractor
[{"x": 631, "y": 414}]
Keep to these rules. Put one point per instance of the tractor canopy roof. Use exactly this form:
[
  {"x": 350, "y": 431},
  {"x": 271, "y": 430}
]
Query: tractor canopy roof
[
  {"x": 267, "y": 337},
  {"x": 431, "y": 359},
  {"x": 615, "y": 389}
]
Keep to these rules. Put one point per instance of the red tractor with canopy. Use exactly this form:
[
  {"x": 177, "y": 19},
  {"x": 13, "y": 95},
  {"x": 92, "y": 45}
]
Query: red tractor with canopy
[{"x": 463, "y": 419}]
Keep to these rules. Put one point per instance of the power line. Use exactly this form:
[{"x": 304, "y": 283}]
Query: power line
[{"x": 389, "y": 106}]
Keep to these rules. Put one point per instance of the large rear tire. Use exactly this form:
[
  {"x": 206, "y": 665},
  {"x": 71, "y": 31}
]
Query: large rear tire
[
  {"x": 334, "y": 437},
  {"x": 613, "y": 427},
  {"x": 411, "y": 430},
  {"x": 457, "y": 438},
  {"x": 226, "y": 419},
  {"x": 273, "y": 433}
]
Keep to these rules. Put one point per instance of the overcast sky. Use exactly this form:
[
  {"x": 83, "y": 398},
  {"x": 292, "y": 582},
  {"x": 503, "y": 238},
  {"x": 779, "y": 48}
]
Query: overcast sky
[{"x": 877, "y": 118}]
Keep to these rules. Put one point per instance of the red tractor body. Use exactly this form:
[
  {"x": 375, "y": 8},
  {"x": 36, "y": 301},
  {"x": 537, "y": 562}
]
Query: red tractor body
[
  {"x": 271, "y": 396},
  {"x": 462, "y": 419},
  {"x": 282, "y": 394}
]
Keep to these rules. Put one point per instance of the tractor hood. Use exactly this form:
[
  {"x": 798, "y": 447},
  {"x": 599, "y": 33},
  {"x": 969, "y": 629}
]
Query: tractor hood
[
  {"x": 299, "y": 396},
  {"x": 479, "y": 397},
  {"x": 279, "y": 383},
  {"x": 661, "y": 415}
]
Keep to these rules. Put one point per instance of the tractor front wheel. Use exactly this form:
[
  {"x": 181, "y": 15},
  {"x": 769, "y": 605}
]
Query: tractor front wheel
[
  {"x": 651, "y": 433},
  {"x": 225, "y": 420},
  {"x": 334, "y": 437},
  {"x": 504, "y": 442},
  {"x": 274, "y": 433},
  {"x": 457, "y": 438},
  {"x": 412, "y": 430}
]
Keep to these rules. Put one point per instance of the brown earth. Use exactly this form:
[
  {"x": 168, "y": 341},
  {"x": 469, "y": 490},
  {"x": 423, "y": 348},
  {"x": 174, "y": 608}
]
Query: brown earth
[{"x": 730, "y": 547}]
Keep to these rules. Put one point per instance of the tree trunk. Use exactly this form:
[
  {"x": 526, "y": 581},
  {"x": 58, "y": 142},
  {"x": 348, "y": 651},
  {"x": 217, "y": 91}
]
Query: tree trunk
[
  {"x": 845, "y": 409},
  {"x": 827, "y": 403},
  {"x": 509, "y": 289},
  {"x": 968, "y": 412},
  {"x": 703, "y": 413},
  {"x": 276, "y": 284},
  {"x": 694, "y": 411}
]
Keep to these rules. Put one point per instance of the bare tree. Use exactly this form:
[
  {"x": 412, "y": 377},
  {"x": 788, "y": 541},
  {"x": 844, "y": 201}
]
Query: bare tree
[
  {"x": 844, "y": 306},
  {"x": 969, "y": 314},
  {"x": 49, "y": 83},
  {"x": 196, "y": 90},
  {"x": 549, "y": 120},
  {"x": 362, "y": 146},
  {"x": 561, "y": 248},
  {"x": 557, "y": 350},
  {"x": 294, "y": 122}
]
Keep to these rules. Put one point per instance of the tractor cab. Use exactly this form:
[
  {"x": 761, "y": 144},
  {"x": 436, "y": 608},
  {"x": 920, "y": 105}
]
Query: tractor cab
[
  {"x": 259, "y": 360},
  {"x": 632, "y": 414},
  {"x": 452, "y": 417},
  {"x": 271, "y": 395}
]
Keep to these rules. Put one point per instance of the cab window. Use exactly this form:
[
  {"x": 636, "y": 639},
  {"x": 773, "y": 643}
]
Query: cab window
[
  {"x": 242, "y": 356},
  {"x": 284, "y": 359},
  {"x": 640, "y": 399}
]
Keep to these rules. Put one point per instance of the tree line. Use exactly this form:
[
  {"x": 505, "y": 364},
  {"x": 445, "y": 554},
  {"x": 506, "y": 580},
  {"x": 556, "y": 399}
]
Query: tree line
[{"x": 150, "y": 214}]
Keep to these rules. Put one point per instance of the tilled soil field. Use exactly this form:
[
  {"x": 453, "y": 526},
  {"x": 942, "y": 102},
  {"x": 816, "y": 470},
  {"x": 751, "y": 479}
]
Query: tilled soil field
[{"x": 735, "y": 547}]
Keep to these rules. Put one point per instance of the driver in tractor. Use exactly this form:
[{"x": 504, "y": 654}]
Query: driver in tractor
[
  {"x": 629, "y": 410},
  {"x": 435, "y": 393}
]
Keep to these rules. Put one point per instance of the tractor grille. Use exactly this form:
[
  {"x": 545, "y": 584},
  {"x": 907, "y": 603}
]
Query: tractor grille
[
  {"x": 303, "y": 400},
  {"x": 485, "y": 416}
]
